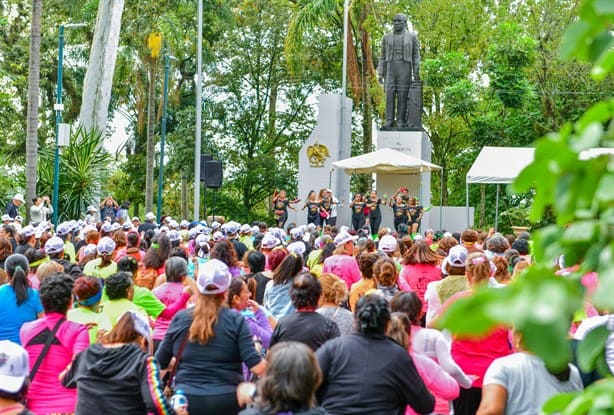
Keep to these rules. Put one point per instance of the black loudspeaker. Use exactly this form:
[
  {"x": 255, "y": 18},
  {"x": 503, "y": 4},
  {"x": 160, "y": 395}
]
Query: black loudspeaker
[
  {"x": 204, "y": 158},
  {"x": 214, "y": 173}
]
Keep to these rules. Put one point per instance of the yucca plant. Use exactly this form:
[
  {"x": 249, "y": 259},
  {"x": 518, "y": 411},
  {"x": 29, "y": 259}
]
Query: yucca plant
[{"x": 84, "y": 168}]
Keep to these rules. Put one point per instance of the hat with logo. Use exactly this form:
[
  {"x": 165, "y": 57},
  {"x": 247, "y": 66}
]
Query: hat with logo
[
  {"x": 232, "y": 228},
  {"x": 202, "y": 240},
  {"x": 27, "y": 231},
  {"x": 213, "y": 277},
  {"x": 18, "y": 219},
  {"x": 344, "y": 237},
  {"x": 105, "y": 245},
  {"x": 269, "y": 241},
  {"x": 173, "y": 235},
  {"x": 89, "y": 249},
  {"x": 115, "y": 226},
  {"x": 63, "y": 229},
  {"x": 106, "y": 227},
  {"x": 218, "y": 236},
  {"x": 297, "y": 248},
  {"x": 387, "y": 244},
  {"x": 14, "y": 366},
  {"x": 54, "y": 245}
]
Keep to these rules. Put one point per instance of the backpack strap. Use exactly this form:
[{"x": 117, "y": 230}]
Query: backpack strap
[{"x": 46, "y": 348}]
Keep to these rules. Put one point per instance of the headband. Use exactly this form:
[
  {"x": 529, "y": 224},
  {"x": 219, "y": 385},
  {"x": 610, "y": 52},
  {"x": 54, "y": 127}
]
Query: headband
[{"x": 92, "y": 300}]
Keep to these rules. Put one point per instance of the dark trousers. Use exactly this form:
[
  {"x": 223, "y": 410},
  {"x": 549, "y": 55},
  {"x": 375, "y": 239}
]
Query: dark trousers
[
  {"x": 398, "y": 221},
  {"x": 398, "y": 79},
  {"x": 315, "y": 219},
  {"x": 225, "y": 404},
  {"x": 374, "y": 222},
  {"x": 468, "y": 401},
  {"x": 358, "y": 221}
]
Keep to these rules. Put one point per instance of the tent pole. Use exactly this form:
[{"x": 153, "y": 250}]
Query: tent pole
[
  {"x": 467, "y": 203},
  {"x": 497, "y": 209},
  {"x": 440, "y": 199}
]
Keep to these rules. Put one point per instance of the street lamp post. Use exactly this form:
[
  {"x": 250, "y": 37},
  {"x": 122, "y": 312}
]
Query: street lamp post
[
  {"x": 58, "y": 108},
  {"x": 167, "y": 66}
]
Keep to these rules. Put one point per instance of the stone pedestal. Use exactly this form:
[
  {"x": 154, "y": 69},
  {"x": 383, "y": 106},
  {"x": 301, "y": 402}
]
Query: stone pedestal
[
  {"x": 330, "y": 141},
  {"x": 415, "y": 143}
]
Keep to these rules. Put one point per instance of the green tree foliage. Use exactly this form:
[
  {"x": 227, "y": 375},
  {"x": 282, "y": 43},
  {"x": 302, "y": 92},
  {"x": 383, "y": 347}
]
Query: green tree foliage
[
  {"x": 577, "y": 187},
  {"x": 260, "y": 115},
  {"x": 84, "y": 168}
]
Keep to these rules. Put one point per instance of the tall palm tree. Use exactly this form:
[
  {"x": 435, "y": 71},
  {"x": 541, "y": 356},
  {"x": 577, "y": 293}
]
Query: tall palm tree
[{"x": 33, "y": 98}]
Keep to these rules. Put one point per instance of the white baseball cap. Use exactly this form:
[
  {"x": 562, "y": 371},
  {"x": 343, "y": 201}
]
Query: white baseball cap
[
  {"x": 105, "y": 245},
  {"x": 14, "y": 366},
  {"x": 54, "y": 245},
  {"x": 387, "y": 244},
  {"x": 19, "y": 197},
  {"x": 213, "y": 277},
  {"x": 344, "y": 237}
]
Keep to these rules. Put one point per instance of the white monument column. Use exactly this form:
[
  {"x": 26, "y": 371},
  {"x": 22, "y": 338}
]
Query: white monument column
[{"x": 330, "y": 141}]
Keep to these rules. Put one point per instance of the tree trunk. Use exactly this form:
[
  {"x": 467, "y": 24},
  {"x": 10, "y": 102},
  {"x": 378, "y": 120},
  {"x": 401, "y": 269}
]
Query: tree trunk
[
  {"x": 151, "y": 128},
  {"x": 184, "y": 197},
  {"x": 99, "y": 76},
  {"x": 33, "y": 98}
]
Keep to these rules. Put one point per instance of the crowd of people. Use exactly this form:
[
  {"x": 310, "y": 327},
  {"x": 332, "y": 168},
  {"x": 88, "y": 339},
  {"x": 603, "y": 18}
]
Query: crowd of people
[{"x": 113, "y": 315}]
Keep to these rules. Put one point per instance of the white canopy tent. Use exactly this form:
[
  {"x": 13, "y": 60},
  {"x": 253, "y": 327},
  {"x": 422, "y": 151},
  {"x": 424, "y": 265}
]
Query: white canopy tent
[
  {"x": 501, "y": 165},
  {"x": 386, "y": 161},
  {"x": 497, "y": 165}
]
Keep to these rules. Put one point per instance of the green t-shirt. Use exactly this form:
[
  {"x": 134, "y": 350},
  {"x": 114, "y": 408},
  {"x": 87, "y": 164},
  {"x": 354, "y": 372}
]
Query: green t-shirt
[
  {"x": 144, "y": 299},
  {"x": 92, "y": 269},
  {"x": 115, "y": 308},
  {"x": 69, "y": 249},
  {"x": 86, "y": 316}
]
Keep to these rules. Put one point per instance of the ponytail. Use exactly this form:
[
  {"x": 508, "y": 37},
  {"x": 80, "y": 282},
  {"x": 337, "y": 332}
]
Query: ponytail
[
  {"x": 16, "y": 266},
  {"x": 372, "y": 314}
]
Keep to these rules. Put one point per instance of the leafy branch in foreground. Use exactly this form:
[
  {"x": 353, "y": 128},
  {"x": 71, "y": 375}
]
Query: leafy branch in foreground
[{"x": 575, "y": 181}]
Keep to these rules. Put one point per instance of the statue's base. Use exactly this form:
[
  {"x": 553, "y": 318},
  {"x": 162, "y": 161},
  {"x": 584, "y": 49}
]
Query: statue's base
[
  {"x": 416, "y": 143},
  {"x": 401, "y": 129}
]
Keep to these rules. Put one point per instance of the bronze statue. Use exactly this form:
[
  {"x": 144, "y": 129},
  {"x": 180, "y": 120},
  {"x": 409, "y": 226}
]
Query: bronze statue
[{"x": 399, "y": 70}]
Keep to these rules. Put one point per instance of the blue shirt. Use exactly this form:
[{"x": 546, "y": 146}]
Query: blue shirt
[{"x": 13, "y": 316}]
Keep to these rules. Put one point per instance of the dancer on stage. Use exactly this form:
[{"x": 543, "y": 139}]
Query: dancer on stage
[
  {"x": 415, "y": 214},
  {"x": 280, "y": 207},
  {"x": 400, "y": 211},
  {"x": 312, "y": 204},
  {"x": 358, "y": 217},
  {"x": 375, "y": 213}
]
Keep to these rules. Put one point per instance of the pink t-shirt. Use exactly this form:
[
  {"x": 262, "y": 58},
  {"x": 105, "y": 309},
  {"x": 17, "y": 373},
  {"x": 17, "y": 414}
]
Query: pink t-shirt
[
  {"x": 475, "y": 354},
  {"x": 167, "y": 293},
  {"x": 438, "y": 382},
  {"x": 343, "y": 266},
  {"x": 46, "y": 394},
  {"x": 418, "y": 276}
]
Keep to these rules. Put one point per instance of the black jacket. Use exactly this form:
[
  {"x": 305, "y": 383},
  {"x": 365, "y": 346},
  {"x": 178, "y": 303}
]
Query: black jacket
[{"x": 116, "y": 380}]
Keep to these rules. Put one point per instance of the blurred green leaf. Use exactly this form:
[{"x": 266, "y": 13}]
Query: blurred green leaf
[
  {"x": 558, "y": 402},
  {"x": 591, "y": 348}
]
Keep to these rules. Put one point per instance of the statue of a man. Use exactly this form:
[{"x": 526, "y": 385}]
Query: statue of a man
[{"x": 399, "y": 65}]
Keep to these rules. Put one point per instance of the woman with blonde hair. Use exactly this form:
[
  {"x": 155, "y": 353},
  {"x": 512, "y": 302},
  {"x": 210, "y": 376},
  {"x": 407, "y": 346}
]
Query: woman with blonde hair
[
  {"x": 334, "y": 293},
  {"x": 209, "y": 343}
]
